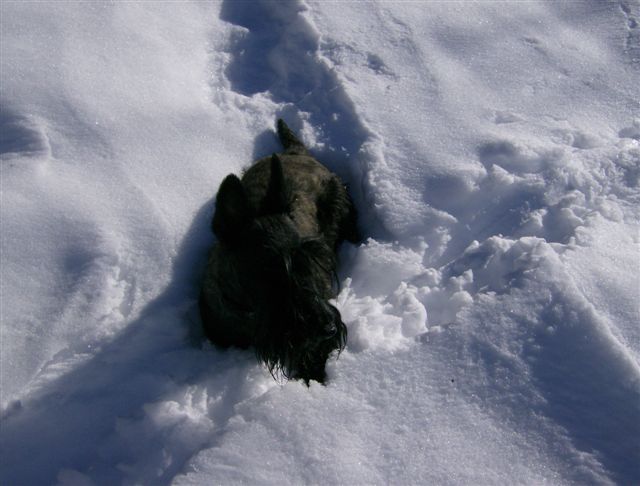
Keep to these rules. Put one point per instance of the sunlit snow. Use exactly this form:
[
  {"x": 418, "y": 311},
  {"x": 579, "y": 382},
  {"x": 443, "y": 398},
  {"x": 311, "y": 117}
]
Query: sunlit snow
[{"x": 493, "y": 152}]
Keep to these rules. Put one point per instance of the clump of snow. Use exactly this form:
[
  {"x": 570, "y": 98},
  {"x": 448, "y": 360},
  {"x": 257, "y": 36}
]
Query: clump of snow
[{"x": 493, "y": 152}]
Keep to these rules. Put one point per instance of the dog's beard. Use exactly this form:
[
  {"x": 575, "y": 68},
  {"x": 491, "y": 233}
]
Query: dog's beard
[{"x": 301, "y": 328}]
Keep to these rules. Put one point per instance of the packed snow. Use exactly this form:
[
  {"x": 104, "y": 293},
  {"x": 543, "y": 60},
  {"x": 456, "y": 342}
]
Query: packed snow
[{"x": 493, "y": 152}]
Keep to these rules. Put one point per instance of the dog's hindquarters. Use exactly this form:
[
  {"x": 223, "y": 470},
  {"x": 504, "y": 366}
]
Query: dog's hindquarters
[{"x": 335, "y": 209}]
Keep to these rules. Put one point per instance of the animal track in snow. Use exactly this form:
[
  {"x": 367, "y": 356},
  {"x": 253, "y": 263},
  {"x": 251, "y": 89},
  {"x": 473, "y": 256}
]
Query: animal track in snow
[
  {"x": 578, "y": 139},
  {"x": 277, "y": 53},
  {"x": 632, "y": 131},
  {"x": 339, "y": 54},
  {"x": 632, "y": 43},
  {"x": 516, "y": 158},
  {"x": 501, "y": 117},
  {"x": 547, "y": 190},
  {"x": 21, "y": 136}
]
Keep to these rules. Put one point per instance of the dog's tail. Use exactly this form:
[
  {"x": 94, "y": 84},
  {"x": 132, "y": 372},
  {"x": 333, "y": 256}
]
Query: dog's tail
[{"x": 291, "y": 143}]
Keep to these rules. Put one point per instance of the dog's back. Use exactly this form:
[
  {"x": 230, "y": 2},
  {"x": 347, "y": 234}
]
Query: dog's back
[{"x": 309, "y": 188}]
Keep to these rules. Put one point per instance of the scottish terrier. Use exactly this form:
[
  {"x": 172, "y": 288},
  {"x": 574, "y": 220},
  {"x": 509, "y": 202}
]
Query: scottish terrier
[{"x": 272, "y": 271}]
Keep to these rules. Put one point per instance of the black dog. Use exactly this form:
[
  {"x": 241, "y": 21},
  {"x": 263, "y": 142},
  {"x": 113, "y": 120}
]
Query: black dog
[{"x": 270, "y": 276}]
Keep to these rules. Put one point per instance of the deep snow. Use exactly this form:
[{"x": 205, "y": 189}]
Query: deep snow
[{"x": 493, "y": 150}]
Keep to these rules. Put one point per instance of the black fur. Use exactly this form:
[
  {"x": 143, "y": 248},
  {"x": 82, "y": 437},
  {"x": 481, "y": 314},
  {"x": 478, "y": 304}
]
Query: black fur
[{"x": 270, "y": 276}]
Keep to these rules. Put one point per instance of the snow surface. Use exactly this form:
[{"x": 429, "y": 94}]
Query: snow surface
[{"x": 493, "y": 150}]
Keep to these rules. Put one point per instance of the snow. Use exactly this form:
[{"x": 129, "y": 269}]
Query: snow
[{"x": 493, "y": 151}]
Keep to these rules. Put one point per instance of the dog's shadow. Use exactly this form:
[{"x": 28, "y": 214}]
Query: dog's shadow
[
  {"x": 75, "y": 421},
  {"x": 83, "y": 420}
]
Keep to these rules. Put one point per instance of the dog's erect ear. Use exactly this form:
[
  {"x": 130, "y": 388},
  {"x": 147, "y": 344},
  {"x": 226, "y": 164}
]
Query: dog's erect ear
[
  {"x": 232, "y": 210},
  {"x": 278, "y": 198}
]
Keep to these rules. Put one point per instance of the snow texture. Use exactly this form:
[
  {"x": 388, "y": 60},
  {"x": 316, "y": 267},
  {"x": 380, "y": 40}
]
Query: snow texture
[{"x": 493, "y": 152}]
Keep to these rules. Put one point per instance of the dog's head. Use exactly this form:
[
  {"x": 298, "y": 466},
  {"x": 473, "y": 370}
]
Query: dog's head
[{"x": 277, "y": 280}]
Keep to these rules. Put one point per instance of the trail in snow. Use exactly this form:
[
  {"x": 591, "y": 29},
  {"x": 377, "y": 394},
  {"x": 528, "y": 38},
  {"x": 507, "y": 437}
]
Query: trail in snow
[{"x": 274, "y": 51}]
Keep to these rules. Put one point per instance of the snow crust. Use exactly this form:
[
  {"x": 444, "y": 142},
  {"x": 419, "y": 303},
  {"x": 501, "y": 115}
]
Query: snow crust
[{"x": 493, "y": 151}]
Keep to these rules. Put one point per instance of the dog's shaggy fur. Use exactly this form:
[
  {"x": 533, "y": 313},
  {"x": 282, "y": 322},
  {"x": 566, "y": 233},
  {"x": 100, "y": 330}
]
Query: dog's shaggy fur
[{"x": 270, "y": 276}]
